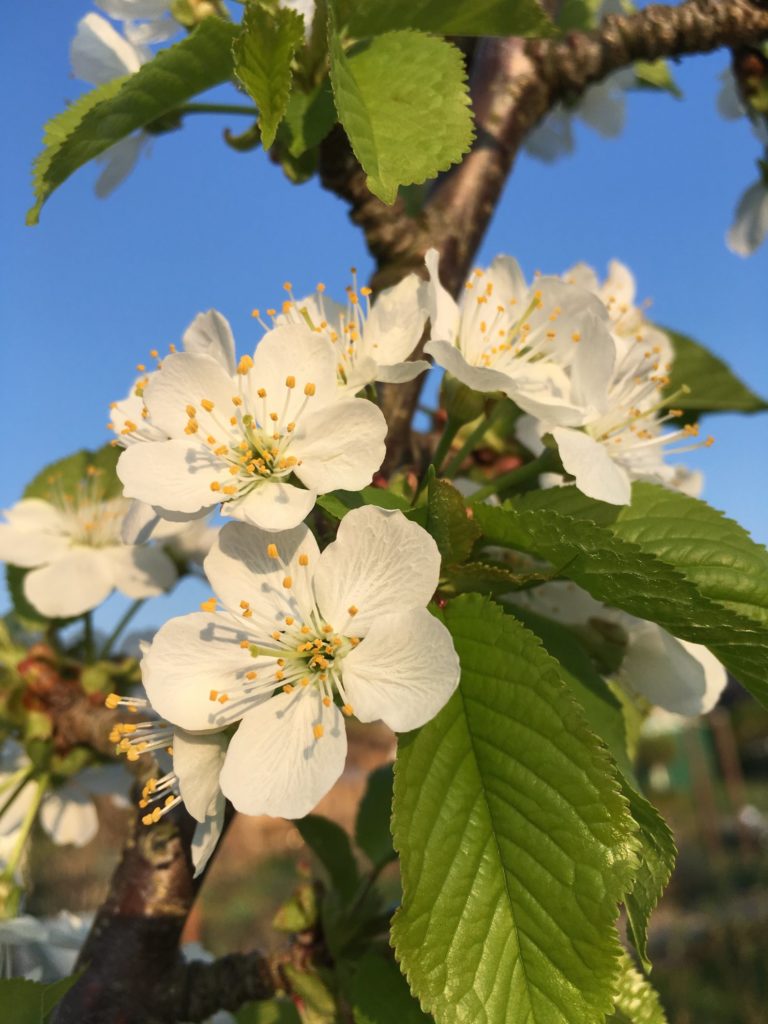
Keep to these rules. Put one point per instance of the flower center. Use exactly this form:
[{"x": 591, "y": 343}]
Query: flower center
[{"x": 91, "y": 519}]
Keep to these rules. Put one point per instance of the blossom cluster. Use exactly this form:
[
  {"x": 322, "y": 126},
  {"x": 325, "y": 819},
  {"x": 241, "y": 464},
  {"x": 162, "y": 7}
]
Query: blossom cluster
[{"x": 246, "y": 700}]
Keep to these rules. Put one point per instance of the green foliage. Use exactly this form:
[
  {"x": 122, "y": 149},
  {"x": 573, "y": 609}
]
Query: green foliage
[
  {"x": 298, "y": 913},
  {"x": 308, "y": 119},
  {"x": 623, "y": 575},
  {"x": 447, "y": 520},
  {"x": 446, "y": 17},
  {"x": 273, "y": 1011},
  {"x": 713, "y": 552},
  {"x": 487, "y": 578},
  {"x": 515, "y": 845},
  {"x": 656, "y": 74},
  {"x": 331, "y": 845},
  {"x": 378, "y": 993},
  {"x": 657, "y": 859},
  {"x": 32, "y": 1002},
  {"x": 714, "y": 386},
  {"x": 263, "y": 52},
  {"x": 372, "y": 831},
  {"x": 338, "y": 503},
  {"x": 636, "y": 1001},
  {"x": 102, "y": 118},
  {"x": 319, "y": 1004},
  {"x": 403, "y": 101}
]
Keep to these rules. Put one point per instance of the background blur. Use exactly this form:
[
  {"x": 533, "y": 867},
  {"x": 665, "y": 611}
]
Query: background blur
[{"x": 97, "y": 284}]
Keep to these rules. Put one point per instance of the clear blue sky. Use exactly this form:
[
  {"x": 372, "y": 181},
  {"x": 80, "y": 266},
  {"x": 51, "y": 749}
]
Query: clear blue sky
[{"x": 89, "y": 291}]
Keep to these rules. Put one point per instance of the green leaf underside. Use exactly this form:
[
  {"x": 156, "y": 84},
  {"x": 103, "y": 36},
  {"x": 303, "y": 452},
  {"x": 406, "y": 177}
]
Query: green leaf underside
[
  {"x": 514, "y": 844},
  {"x": 273, "y": 1011},
  {"x": 403, "y": 101},
  {"x": 656, "y": 74},
  {"x": 338, "y": 503},
  {"x": 636, "y": 1002},
  {"x": 31, "y": 1002},
  {"x": 454, "y": 533},
  {"x": 378, "y": 993},
  {"x": 200, "y": 61},
  {"x": 714, "y": 386},
  {"x": 308, "y": 118},
  {"x": 623, "y": 575},
  {"x": 447, "y": 17},
  {"x": 263, "y": 52},
  {"x": 331, "y": 844},
  {"x": 489, "y": 578},
  {"x": 372, "y": 831},
  {"x": 657, "y": 859}
]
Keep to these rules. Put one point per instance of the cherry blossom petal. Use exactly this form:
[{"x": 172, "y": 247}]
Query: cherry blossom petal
[
  {"x": 33, "y": 534},
  {"x": 75, "y": 583},
  {"x": 479, "y": 378},
  {"x": 750, "y": 224},
  {"x": 674, "y": 674},
  {"x": 380, "y": 563},
  {"x": 189, "y": 658},
  {"x": 206, "y": 837},
  {"x": 210, "y": 334},
  {"x": 197, "y": 761},
  {"x": 507, "y": 279},
  {"x": 294, "y": 350},
  {"x": 593, "y": 366},
  {"x": 141, "y": 571},
  {"x": 185, "y": 379},
  {"x": 403, "y": 672},
  {"x": 119, "y": 160},
  {"x": 174, "y": 475},
  {"x": 596, "y": 474},
  {"x": 400, "y": 373},
  {"x": 443, "y": 311},
  {"x": 69, "y": 817},
  {"x": 99, "y": 53},
  {"x": 276, "y": 765},
  {"x": 272, "y": 505},
  {"x": 240, "y": 569},
  {"x": 396, "y": 321},
  {"x": 341, "y": 446}
]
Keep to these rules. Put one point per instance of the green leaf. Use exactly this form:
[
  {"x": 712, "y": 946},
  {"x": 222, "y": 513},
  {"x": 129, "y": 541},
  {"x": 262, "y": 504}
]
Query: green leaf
[
  {"x": 488, "y": 578},
  {"x": 274, "y": 1011},
  {"x": 298, "y": 913},
  {"x": 308, "y": 118},
  {"x": 713, "y": 552},
  {"x": 621, "y": 574},
  {"x": 372, "y": 831},
  {"x": 403, "y": 101},
  {"x": 448, "y": 17},
  {"x": 514, "y": 843},
  {"x": 31, "y": 1002},
  {"x": 378, "y": 993},
  {"x": 319, "y": 1006},
  {"x": 201, "y": 60},
  {"x": 714, "y": 386},
  {"x": 263, "y": 52},
  {"x": 657, "y": 859},
  {"x": 55, "y": 134},
  {"x": 338, "y": 503},
  {"x": 636, "y": 1001},
  {"x": 331, "y": 845},
  {"x": 656, "y": 74},
  {"x": 447, "y": 520}
]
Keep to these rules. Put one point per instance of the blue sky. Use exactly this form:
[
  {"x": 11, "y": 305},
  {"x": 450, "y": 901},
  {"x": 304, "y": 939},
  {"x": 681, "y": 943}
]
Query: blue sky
[{"x": 97, "y": 284}]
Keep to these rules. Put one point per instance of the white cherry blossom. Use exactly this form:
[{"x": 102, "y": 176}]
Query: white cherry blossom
[
  {"x": 236, "y": 437},
  {"x": 679, "y": 676},
  {"x": 750, "y": 224},
  {"x": 299, "y": 628},
  {"x": 547, "y": 346},
  {"x": 372, "y": 341},
  {"x": 73, "y": 548}
]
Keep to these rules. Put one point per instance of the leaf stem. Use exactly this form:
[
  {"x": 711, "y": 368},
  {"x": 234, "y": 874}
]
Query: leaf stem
[
  {"x": 218, "y": 108},
  {"x": 25, "y": 828},
  {"x": 117, "y": 631},
  {"x": 520, "y": 475},
  {"x": 469, "y": 445},
  {"x": 18, "y": 781}
]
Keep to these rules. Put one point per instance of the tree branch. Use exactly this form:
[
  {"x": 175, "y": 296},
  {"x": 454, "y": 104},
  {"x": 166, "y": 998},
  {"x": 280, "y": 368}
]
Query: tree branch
[{"x": 514, "y": 83}]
